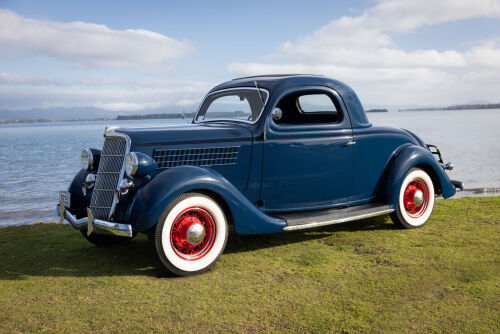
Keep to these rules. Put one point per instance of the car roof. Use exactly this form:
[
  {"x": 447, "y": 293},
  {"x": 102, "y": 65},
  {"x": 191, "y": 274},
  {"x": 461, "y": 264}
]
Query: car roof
[
  {"x": 283, "y": 81},
  {"x": 278, "y": 83}
]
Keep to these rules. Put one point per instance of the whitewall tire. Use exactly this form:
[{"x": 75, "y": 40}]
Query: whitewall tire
[
  {"x": 191, "y": 234},
  {"x": 415, "y": 200}
]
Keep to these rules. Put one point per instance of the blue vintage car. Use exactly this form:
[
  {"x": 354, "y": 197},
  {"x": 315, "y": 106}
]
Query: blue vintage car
[{"x": 267, "y": 154}]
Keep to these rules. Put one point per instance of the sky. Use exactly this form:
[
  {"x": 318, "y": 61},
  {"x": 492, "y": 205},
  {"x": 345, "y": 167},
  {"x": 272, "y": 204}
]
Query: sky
[{"x": 149, "y": 55}]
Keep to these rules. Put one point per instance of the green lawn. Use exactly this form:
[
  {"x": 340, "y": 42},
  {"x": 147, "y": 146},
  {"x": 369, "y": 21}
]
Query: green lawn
[{"x": 365, "y": 276}]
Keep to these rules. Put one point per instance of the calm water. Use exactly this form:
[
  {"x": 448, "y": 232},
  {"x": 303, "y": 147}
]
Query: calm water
[{"x": 38, "y": 160}]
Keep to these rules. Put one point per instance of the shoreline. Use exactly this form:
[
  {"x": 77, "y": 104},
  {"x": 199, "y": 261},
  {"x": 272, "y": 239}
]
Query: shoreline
[{"x": 471, "y": 193}]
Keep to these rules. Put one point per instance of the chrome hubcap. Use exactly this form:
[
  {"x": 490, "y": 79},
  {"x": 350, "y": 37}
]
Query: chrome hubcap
[
  {"x": 418, "y": 198},
  {"x": 195, "y": 234}
]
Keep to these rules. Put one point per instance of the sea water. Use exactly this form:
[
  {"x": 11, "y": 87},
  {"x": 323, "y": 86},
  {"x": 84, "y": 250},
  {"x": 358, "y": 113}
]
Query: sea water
[{"x": 38, "y": 160}]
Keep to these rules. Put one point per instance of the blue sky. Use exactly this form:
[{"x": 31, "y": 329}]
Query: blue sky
[{"x": 147, "y": 55}]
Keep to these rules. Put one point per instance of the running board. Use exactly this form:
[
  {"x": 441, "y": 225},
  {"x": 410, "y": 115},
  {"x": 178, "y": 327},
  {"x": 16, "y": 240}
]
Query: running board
[{"x": 311, "y": 219}]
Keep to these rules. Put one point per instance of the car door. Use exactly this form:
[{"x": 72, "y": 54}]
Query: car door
[{"x": 308, "y": 152}]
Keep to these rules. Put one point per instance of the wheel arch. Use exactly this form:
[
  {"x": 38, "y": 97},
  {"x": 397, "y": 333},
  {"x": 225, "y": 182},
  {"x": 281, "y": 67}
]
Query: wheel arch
[
  {"x": 436, "y": 182},
  {"x": 401, "y": 162},
  {"x": 220, "y": 200},
  {"x": 151, "y": 200}
]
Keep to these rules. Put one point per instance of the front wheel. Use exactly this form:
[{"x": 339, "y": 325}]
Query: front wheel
[
  {"x": 415, "y": 201},
  {"x": 191, "y": 234}
]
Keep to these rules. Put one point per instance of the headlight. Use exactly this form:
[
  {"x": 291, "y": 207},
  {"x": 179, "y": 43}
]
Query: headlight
[
  {"x": 138, "y": 164},
  {"x": 87, "y": 159},
  {"x": 131, "y": 164}
]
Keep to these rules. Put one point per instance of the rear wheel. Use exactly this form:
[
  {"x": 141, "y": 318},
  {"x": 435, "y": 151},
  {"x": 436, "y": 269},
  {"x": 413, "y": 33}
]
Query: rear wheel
[
  {"x": 191, "y": 234},
  {"x": 415, "y": 201}
]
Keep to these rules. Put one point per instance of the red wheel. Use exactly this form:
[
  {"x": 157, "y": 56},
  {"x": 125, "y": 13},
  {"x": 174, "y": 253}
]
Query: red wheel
[
  {"x": 416, "y": 200},
  {"x": 191, "y": 234}
]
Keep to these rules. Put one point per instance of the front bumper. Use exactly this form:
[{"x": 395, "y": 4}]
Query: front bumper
[{"x": 93, "y": 225}]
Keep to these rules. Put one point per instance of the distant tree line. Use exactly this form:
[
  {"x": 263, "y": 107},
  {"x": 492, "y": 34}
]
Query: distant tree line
[
  {"x": 459, "y": 107},
  {"x": 46, "y": 120},
  {"x": 236, "y": 113},
  {"x": 155, "y": 116},
  {"x": 377, "y": 110}
]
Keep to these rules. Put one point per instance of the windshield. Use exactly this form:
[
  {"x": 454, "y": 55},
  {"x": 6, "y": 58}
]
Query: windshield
[{"x": 243, "y": 104}]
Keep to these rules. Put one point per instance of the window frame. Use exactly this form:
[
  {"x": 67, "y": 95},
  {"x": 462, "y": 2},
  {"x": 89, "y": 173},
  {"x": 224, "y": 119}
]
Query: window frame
[
  {"x": 343, "y": 115},
  {"x": 232, "y": 119}
]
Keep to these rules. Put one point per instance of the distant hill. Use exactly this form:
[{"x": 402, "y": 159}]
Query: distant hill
[
  {"x": 458, "y": 107},
  {"x": 84, "y": 113},
  {"x": 55, "y": 114},
  {"x": 93, "y": 113}
]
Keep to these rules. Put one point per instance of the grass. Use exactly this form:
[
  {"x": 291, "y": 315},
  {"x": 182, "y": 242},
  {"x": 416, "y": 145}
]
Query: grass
[{"x": 357, "y": 277}]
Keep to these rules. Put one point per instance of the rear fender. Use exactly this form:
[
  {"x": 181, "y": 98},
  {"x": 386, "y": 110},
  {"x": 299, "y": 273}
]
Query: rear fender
[
  {"x": 151, "y": 200},
  {"x": 404, "y": 159}
]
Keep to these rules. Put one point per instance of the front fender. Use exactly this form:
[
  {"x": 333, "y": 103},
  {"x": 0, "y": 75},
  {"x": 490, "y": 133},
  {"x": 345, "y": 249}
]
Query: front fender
[
  {"x": 408, "y": 157},
  {"x": 79, "y": 201},
  {"x": 151, "y": 200}
]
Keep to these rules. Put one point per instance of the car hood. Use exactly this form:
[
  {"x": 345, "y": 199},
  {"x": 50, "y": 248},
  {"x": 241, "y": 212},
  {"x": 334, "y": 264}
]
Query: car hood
[{"x": 186, "y": 134}]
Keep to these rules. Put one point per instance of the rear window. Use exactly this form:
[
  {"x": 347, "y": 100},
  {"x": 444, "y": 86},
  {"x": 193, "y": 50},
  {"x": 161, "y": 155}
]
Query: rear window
[
  {"x": 316, "y": 103},
  {"x": 309, "y": 107}
]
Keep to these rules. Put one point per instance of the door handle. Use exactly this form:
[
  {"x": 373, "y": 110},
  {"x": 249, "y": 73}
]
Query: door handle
[{"x": 349, "y": 143}]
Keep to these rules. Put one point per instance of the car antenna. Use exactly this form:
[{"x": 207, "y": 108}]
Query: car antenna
[{"x": 258, "y": 89}]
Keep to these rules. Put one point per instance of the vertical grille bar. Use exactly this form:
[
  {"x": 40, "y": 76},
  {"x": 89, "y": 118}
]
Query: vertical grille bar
[{"x": 109, "y": 175}]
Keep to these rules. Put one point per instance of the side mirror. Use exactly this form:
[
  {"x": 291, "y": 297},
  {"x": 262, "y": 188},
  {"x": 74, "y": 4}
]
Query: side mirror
[{"x": 277, "y": 114}]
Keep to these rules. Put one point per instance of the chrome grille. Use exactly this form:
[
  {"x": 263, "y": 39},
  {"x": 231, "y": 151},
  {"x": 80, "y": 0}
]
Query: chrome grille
[
  {"x": 209, "y": 156},
  {"x": 108, "y": 177}
]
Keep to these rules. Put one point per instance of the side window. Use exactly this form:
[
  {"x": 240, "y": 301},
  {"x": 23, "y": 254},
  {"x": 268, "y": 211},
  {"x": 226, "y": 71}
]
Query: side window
[
  {"x": 308, "y": 107},
  {"x": 316, "y": 103}
]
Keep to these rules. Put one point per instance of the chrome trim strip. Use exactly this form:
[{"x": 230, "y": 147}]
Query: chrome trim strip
[
  {"x": 337, "y": 221},
  {"x": 212, "y": 165},
  {"x": 230, "y": 119},
  {"x": 95, "y": 225},
  {"x": 115, "y": 134}
]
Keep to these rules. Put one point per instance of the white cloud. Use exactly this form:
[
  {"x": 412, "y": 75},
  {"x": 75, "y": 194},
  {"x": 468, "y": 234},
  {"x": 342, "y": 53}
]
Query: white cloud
[
  {"x": 88, "y": 44},
  {"x": 127, "y": 106},
  {"x": 8, "y": 78},
  {"x": 139, "y": 96},
  {"x": 360, "y": 51}
]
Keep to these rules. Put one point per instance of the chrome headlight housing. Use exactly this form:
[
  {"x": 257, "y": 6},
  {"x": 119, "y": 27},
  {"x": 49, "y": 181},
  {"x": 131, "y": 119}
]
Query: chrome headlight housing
[
  {"x": 131, "y": 164},
  {"x": 138, "y": 164},
  {"x": 87, "y": 159}
]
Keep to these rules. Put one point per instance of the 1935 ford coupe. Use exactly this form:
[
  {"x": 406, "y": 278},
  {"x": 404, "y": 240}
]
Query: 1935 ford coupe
[{"x": 267, "y": 154}]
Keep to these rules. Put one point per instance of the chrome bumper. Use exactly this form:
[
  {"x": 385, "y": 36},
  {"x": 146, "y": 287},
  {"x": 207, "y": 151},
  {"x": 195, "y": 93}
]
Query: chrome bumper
[
  {"x": 458, "y": 184},
  {"x": 93, "y": 225}
]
